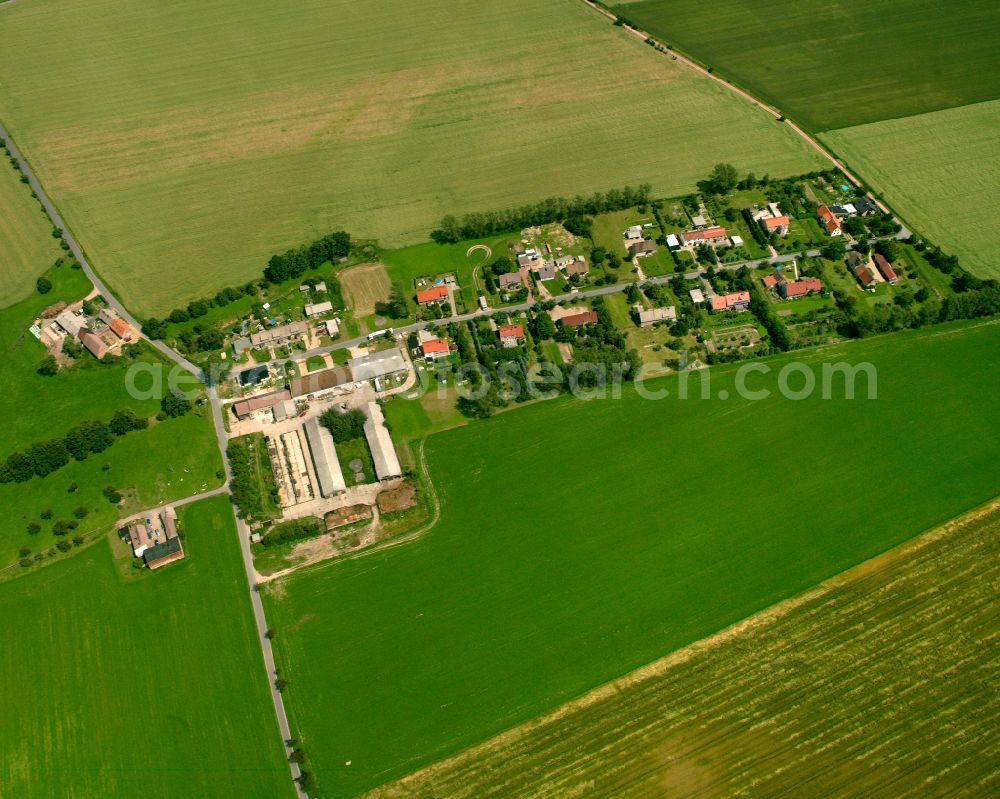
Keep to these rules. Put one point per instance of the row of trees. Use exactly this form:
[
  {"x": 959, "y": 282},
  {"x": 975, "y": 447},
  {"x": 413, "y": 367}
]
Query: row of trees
[
  {"x": 294, "y": 263},
  {"x": 157, "y": 328},
  {"x": 85, "y": 439},
  {"x": 571, "y": 213},
  {"x": 243, "y": 454},
  {"x": 854, "y": 321},
  {"x": 291, "y": 263}
]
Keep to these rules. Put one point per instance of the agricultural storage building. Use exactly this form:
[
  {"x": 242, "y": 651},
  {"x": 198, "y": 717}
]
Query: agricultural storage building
[
  {"x": 324, "y": 455},
  {"x": 317, "y": 308},
  {"x": 244, "y": 408},
  {"x": 318, "y": 382},
  {"x": 378, "y": 364},
  {"x": 380, "y": 443}
]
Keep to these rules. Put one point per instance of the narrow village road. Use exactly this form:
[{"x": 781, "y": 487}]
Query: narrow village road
[
  {"x": 220, "y": 433},
  {"x": 601, "y": 291}
]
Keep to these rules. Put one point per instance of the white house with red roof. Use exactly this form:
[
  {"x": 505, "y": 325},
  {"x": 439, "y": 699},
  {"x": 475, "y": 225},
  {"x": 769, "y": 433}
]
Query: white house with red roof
[{"x": 510, "y": 335}]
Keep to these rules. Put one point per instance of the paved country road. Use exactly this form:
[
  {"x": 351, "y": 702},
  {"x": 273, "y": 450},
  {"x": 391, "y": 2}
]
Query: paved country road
[{"x": 220, "y": 434}]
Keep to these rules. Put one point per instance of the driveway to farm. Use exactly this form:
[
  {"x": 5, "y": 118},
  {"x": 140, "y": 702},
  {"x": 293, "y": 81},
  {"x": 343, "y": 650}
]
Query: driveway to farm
[{"x": 243, "y": 533}]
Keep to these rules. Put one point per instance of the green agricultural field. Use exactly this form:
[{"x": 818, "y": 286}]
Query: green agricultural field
[
  {"x": 539, "y": 583},
  {"x": 180, "y": 141},
  {"x": 151, "y": 686},
  {"x": 772, "y": 708},
  {"x": 940, "y": 171},
  {"x": 27, "y": 248},
  {"x": 834, "y": 63}
]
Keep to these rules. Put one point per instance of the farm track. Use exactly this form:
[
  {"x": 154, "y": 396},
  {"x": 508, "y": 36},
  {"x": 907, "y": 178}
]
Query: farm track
[{"x": 875, "y": 682}]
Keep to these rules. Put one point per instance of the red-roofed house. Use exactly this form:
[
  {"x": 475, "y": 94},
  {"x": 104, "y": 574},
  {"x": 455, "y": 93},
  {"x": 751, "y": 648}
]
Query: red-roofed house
[
  {"x": 435, "y": 348},
  {"x": 800, "y": 288},
  {"x": 510, "y": 335},
  {"x": 886, "y": 269},
  {"x": 435, "y": 294},
  {"x": 737, "y": 301},
  {"x": 865, "y": 278},
  {"x": 579, "y": 319},
  {"x": 121, "y": 328},
  {"x": 829, "y": 220},
  {"x": 710, "y": 235},
  {"x": 777, "y": 224},
  {"x": 769, "y": 281}
]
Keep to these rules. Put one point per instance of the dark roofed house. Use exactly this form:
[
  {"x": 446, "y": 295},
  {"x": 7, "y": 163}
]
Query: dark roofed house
[
  {"x": 253, "y": 375},
  {"x": 577, "y": 267},
  {"x": 579, "y": 319},
  {"x": 864, "y": 206},
  {"x": 545, "y": 271},
  {"x": 886, "y": 269},
  {"x": 642, "y": 247},
  {"x": 163, "y": 553},
  {"x": 510, "y": 280}
]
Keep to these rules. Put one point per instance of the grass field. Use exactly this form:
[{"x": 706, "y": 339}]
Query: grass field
[
  {"x": 940, "y": 171},
  {"x": 876, "y": 684},
  {"x": 150, "y": 687},
  {"x": 539, "y": 583},
  {"x": 27, "y": 248},
  {"x": 218, "y": 149},
  {"x": 364, "y": 285},
  {"x": 834, "y": 63},
  {"x": 171, "y": 460}
]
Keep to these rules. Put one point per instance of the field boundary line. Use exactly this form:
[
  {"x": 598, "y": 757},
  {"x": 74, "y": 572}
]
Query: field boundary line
[
  {"x": 691, "y": 63},
  {"x": 863, "y": 570}
]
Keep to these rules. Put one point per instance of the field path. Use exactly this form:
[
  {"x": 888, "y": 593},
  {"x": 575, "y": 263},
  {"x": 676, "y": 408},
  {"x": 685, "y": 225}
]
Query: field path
[{"x": 682, "y": 59}]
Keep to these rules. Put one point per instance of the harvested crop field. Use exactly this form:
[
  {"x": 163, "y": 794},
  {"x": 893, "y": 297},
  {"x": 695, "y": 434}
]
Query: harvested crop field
[
  {"x": 876, "y": 684},
  {"x": 834, "y": 63},
  {"x": 179, "y": 139},
  {"x": 27, "y": 248},
  {"x": 940, "y": 171},
  {"x": 365, "y": 285},
  {"x": 539, "y": 583}
]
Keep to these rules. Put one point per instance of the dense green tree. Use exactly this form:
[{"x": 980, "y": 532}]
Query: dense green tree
[
  {"x": 344, "y": 425},
  {"x": 43, "y": 285},
  {"x": 723, "y": 178},
  {"x": 48, "y": 367},
  {"x": 175, "y": 404}
]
